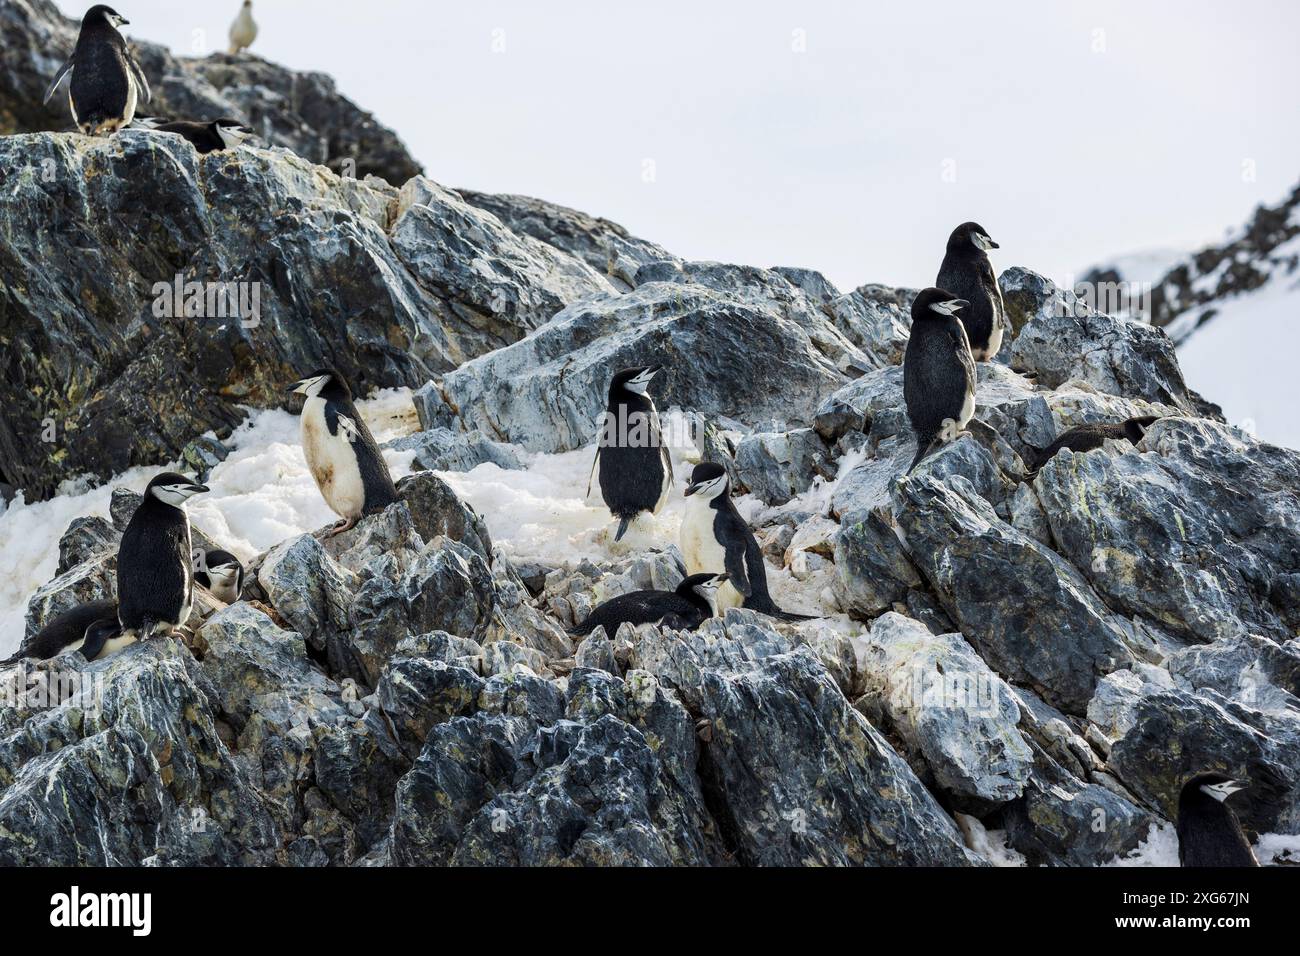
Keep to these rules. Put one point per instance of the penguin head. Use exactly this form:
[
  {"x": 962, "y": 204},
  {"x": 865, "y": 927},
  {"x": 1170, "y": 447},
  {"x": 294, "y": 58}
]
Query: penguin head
[
  {"x": 1135, "y": 429},
  {"x": 970, "y": 235},
  {"x": 173, "y": 489},
  {"x": 322, "y": 381},
  {"x": 930, "y": 303},
  {"x": 231, "y": 132},
  {"x": 708, "y": 481},
  {"x": 635, "y": 380},
  {"x": 220, "y": 572},
  {"x": 1214, "y": 785},
  {"x": 704, "y": 585},
  {"x": 103, "y": 13}
]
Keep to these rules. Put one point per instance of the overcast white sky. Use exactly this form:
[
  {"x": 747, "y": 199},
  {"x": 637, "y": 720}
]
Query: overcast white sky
[{"x": 1072, "y": 129}]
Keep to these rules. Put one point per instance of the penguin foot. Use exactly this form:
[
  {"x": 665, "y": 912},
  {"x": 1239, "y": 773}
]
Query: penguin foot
[{"x": 343, "y": 524}]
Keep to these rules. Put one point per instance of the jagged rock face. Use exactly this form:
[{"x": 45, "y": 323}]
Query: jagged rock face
[
  {"x": 340, "y": 278},
  {"x": 301, "y": 111},
  {"x": 731, "y": 347}
]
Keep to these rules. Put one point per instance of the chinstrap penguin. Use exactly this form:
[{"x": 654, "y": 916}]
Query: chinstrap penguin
[
  {"x": 219, "y": 134},
  {"x": 714, "y": 535},
  {"x": 635, "y": 470},
  {"x": 243, "y": 31},
  {"x": 340, "y": 451},
  {"x": 91, "y": 628},
  {"x": 1209, "y": 833},
  {"x": 967, "y": 273},
  {"x": 938, "y": 371},
  {"x": 221, "y": 573},
  {"x": 694, "y": 601},
  {"x": 155, "y": 569},
  {"x": 107, "y": 83},
  {"x": 1083, "y": 438}
]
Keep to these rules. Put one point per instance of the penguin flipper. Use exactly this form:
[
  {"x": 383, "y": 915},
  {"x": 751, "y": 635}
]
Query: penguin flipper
[
  {"x": 97, "y": 636},
  {"x": 735, "y": 568},
  {"x": 141, "y": 81},
  {"x": 64, "y": 70},
  {"x": 592, "y": 477},
  {"x": 622, "y": 528}
]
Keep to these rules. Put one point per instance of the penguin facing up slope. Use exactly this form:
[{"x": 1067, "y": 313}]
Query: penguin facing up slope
[
  {"x": 91, "y": 628},
  {"x": 714, "y": 535},
  {"x": 967, "y": 272},
  {"x": 243, "y": 31},
  {"x": 686, "y": 608},
  {"x": 340, "y": 451},
  {"x": 635, "y": 470},
  {"x": 938, "y": 371},
  {"x": 1209, "y": 833},
  {"x": 206, "y": 138},
  {"x": 1083, "y": 438},
  {"x": 222, "y": 574},
  {"x": 107, "y": 82},
  {"x": 155, "y": 571}
]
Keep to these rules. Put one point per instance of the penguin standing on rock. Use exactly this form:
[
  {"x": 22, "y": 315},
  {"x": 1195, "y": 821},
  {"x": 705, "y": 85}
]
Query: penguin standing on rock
[
  {"x": 107, "y": 82},
  {"x": 938, "y": 371},
  {"x": 340, "y": 451},
  {"x": 244, "y": 30},
  {"x": 222, "y": 574},
  {"x": 636, "y": 472},
  {"x": 206, "y": 138},
  {"x": 1209, "y": 833},
  {"x": 714, "y": 535},
  {"x": 693, "y": 602},
  {"x": 967, "y": 271},
  {"x": 91, "y": 628},
  {"x": 155, "y": 571}
]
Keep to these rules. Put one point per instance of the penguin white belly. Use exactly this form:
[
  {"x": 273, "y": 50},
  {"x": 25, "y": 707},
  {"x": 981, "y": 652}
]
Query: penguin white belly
[
  {"x": 995, "y": 342},
  {"x": 728, "y": 596},
  {"x": 333, "y": 462},
  {"x": 700, "y": 546},
  {"x": 111, "y": 646},
  {"x": 131, "y": 96},
  {"x": 968, "y": 408}
]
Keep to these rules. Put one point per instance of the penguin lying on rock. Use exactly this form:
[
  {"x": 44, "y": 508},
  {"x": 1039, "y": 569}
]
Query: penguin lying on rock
[
  {"x": 685, "y": 609},
  {"x": 91, "y": 628},
  {"x": 1209, "y": 833},
  {"x": 938, "y": 371},
  {"x": 107, "y": 82},
  {"x": 714, "y": 535},
  {"x": 1083, "y": 438},
  {"x": 340, "y": 451},
  {"x": 206, "y": 138},
  {"x": 222, "y": 574}
]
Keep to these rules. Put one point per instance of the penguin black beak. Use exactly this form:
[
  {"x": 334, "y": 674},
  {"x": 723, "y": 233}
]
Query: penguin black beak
[
  {"x": 961, "y": 304},
  {"x": 722, "y": 578},
  {"x": 655, "y": 369},
  {"x": 294, "y": 387},
  {"x": 690, "y": 490},
  {"x": 994, "y": 245},
  {"x": 199, "y": 489}
]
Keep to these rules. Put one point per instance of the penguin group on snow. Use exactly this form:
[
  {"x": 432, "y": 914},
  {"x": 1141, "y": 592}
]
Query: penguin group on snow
[{"x": 956, "y": 324}]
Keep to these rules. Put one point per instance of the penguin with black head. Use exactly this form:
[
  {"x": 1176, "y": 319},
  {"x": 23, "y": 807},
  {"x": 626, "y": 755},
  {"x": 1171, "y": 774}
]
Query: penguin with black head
[
  {"x": 714, "y": 535},
  {"x": 91, "y": 627},
  {"x": 967, "y": 272},
  {"x": 223, "y": 133},
  {"x": 155, "y": 569},
  {"x": 938, "y": 371},
  {"x": 1209, "y": 833},
  {"x": 341, "y": 453},
  {"x": 107, "y": 83},
  {"x": 693, "y": 602},
  {"x": 1088, "y": 437},
  {"x": 222, "y": 574},
  {"x": 634, "y": 468}
]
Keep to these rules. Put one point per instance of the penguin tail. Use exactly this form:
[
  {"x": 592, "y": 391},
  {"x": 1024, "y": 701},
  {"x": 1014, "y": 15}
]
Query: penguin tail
[
  {"x": 923, "y": 445},
  {"x": 622, "y": 528},
  {"x": 791, "y": 616},
  {"x": 581, "y": 630}
]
